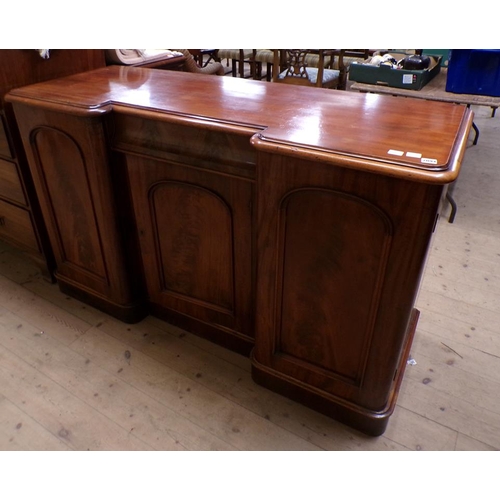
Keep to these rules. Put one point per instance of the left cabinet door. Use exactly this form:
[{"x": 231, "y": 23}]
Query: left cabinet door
[
  {"x": 82, "y": 209},
  {"x": 23, "y": 223},
  {"x": 194, "y": 227}
]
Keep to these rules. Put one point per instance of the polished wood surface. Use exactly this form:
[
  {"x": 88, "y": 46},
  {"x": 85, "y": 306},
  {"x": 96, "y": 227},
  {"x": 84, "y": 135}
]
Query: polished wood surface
[
  {"x": 184, "y": 392},
  {"x": 71, "y": 172},
  {"x": 195, "y": 231},
  {"x": 19, "y": 67},
  {"x": 266, "y": 217},
  {"x": 371, "y": 125},
  {"x": 11, "y": 187},
  {"x": 340, "y": 255}
]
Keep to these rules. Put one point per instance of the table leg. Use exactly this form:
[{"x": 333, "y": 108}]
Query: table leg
[
  {"x": 474, "y": 126},
  {"x": 453, "y": 207}
]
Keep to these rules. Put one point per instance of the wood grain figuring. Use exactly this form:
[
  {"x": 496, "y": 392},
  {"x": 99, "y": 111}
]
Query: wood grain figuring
[
  {"x": 398, "y": 216},
  {"x": 323, "y": 235},
  {"x": 371, "y": 125},
  {"x": 222, "y": 152},
  {"x": 11, "y": 187},
  {"x": 71, "y": 169},
  {"x": 5, "y": 149},
  {"x": 67, "y": 186},
  {"x": 194, "y": 232},
  {"x": 180, "y": 391},
  {"x": 265, "y": 216},
  {"x": 16, "y": 226}
]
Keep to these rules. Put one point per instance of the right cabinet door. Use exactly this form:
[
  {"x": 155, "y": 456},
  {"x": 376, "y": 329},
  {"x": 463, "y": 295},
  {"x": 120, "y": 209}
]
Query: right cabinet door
[
  {"x": 194, "y": 228},
  {"x": 340, "y": 255}
]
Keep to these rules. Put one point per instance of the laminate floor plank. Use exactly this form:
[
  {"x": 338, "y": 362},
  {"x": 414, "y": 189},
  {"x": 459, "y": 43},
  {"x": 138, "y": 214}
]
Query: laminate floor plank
[
  {"x": 189, "y": 398},
  {"x": 16, "y": 268},
  {"x": 40, "y": 312},
  {"x": 59, "y": 411},
  {"x": 460, "y": 332},
  {"x": 463, "y": 241},
  {"x": 456, "y": 414},
  {"x": 462, "y": 292},
  {"x": 466, "y": 270},
  {"x": 456, "y": 373},
  {"x": 460, "y": 321},
  {"x": 131, "y": 409},
  {"x": 18, "y": 431},
  {"x": 419, "y": 432},
  {"x": 465, "y": 443},
  {"x": 51, "y": 293},
  {"x": 232, "y": 380}
]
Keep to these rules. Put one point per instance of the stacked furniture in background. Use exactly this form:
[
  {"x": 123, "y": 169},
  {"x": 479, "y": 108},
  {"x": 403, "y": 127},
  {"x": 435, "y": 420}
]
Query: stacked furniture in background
[
  {"x": 336, "y": 60},
  {"x": 238, "y": 58}
]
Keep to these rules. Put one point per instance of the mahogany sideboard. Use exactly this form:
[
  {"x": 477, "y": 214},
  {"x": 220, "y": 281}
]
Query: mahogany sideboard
[
  {"x": 285, "y": 222},
  {"x": 21, "y": 222}
]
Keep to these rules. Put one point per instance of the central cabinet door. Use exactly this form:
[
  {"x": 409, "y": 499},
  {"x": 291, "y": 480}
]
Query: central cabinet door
[{"x": 194, "y": 227}]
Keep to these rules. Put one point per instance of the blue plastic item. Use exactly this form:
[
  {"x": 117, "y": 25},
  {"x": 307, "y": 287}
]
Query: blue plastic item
[{"x": 474, "y": 71}]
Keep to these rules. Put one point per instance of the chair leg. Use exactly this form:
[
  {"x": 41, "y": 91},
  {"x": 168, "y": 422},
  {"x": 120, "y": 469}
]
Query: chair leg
[
  {"x": 342, "y": 80},
  {"x": 269, "y": 74},
  {"x": 258, "y": 70}
]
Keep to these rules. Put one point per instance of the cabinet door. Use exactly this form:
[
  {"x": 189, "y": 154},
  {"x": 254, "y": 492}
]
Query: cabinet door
[
  {"x": 340, "y": 257},
  {"x": 194, "y": 228}
]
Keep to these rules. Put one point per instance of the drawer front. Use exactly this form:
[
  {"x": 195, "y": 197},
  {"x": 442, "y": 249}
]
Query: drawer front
[
  {"x": 17, "y": 228},
  {"x": 4, "y": 142},
  {"x": 10, "y": 183}
]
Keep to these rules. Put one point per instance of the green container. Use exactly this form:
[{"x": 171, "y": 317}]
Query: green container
[
  {"x": 444, "y": 53},
  {"x": 399, "y": 78}
]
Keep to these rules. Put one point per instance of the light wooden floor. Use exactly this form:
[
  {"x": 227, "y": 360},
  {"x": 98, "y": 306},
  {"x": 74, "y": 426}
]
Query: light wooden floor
[{"x": 73, "y": 378}]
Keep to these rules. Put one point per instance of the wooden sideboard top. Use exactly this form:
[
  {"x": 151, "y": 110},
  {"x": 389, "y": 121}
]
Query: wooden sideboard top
[{"x": 401, "y": 137}]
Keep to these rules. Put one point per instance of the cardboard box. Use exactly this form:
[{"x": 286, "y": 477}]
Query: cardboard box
[{"x": 399, "y": 78}]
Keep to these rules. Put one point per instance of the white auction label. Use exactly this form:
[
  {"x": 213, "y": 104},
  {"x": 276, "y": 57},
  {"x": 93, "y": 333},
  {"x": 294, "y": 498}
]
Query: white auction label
[
  {"x": 414, "y": 155},
  {"x": 395, "y": 152},
  {"x": 431, "y": 161}
]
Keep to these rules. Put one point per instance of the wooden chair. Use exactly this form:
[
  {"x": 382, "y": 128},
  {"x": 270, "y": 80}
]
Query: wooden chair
[
  {"x": 261, "y": 57},
  {"x": 295, "y": 66},
  {"x": 345, "y": 57},
  {"x": 238, "y": 58}
]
